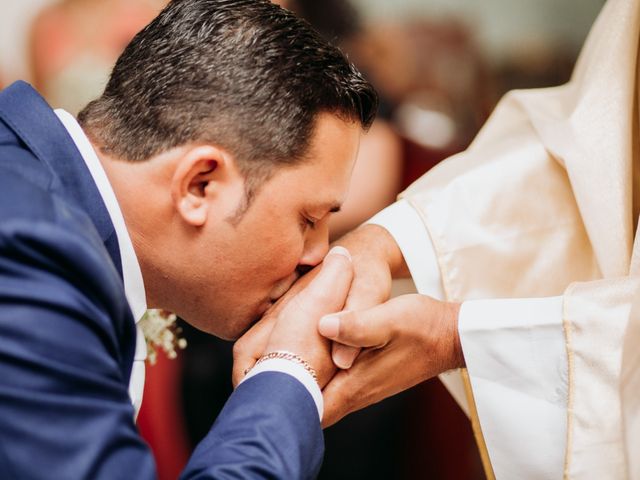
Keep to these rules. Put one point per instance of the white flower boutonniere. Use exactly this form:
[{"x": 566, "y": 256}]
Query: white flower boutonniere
[{"x": 161, "y": 333}]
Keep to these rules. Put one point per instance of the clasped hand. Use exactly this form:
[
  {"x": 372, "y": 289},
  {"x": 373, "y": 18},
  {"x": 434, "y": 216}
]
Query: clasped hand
[
  {"x": 291, "y": 325},
  {"x": 406, "y": 340}
]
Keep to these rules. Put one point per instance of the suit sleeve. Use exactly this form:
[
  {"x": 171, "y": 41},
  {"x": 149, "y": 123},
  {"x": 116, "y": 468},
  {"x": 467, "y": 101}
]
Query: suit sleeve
[
  {"x": 269, "y": 428},
  {"x": 65, "y": 411},
  {"x": 64, "y": 406}
]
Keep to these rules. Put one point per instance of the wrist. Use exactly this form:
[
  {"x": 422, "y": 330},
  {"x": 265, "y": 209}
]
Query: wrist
[
  {"x": 377, "y": 244},
  {"x": 291, "y": 357},
  {"x": 438, "y": 325},
  {"x": 451, "y": 317},
  {"x": 293, "y": 369},
  {"x": 317, "y": 362}
]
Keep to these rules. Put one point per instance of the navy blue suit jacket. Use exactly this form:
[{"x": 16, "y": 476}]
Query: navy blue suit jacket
[{"x": 67, "y": 335}]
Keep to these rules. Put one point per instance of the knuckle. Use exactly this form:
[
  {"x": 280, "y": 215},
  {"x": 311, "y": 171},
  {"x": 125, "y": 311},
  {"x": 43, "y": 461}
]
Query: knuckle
[
  {"x": 238, "y": 350},
  {"x": 318, "y": 296},
  {"x": 358, "y": 327},
  {"x": 346, "y": 325}
]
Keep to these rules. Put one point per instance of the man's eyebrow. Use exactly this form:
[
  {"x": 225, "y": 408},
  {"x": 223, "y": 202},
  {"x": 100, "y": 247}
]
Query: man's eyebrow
[{"x": 331, "y": 207}]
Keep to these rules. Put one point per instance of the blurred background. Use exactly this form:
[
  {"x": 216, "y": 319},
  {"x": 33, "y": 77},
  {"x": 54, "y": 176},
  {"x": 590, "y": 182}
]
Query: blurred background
[{"x": 440, "y": 66}]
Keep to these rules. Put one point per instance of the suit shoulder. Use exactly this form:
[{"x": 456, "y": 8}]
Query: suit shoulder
[
  {"x": 17, "y": 158},
  {"x": 22, "y": 197}
]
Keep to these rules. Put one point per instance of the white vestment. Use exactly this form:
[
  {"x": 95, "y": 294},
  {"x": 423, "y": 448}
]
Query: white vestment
[{"x": 541, "y": 211}]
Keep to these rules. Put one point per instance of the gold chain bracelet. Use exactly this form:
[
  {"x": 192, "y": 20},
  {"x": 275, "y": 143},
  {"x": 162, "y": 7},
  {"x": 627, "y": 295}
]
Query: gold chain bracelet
[{"x": 284, "y": 355}]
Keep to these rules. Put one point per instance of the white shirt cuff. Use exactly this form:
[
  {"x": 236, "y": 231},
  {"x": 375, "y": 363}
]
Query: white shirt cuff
[
  {"x": 297, "y": 371},
  {"x": 406, "y": 227},
  {"x": 517, "y": 362}
]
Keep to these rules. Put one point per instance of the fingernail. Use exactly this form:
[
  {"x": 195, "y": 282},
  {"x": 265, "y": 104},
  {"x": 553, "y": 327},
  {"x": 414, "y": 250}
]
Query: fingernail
[
  {"x": 329, "y": 326},
  {"x": 340, "y": 251},
  {"x": 343, "y": 356}
]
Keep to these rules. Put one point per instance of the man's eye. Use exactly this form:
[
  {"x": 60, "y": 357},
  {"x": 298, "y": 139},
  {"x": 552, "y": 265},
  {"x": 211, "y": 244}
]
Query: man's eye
[{"x": 308, "y": 222}]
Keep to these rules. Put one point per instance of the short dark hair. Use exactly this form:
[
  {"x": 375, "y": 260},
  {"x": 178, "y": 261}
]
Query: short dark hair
[{"x": 244, "y": 74}]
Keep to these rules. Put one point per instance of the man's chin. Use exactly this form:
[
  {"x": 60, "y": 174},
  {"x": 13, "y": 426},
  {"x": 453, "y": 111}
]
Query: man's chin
[
  {"x": 225, "y": 329},
  {"x": 244, "y": 327},
  {"x": 236, "y": 329},
  {"x": 255, "y": 320},
  {"x": 231, "y": 326}
]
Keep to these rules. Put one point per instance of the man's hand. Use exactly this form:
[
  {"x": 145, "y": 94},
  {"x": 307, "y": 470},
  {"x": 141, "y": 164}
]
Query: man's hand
[
  {"x": 375, "y": 258},
  {"x": 293, "y": 326},
  {"x": 407, "y": 340}
]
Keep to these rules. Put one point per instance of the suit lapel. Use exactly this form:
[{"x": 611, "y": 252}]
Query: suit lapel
[{"x": 33, "y": 120}]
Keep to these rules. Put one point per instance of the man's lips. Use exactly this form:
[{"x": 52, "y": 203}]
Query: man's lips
[
  {"x": 260, "y": 312},
  {"x": 265, "y": 307},
  {"x": 280, "y": 289},
  {"x": 283, "y": 287}
]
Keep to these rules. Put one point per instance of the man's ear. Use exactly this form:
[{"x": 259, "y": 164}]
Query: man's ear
[{"x": 191, "y": 185}]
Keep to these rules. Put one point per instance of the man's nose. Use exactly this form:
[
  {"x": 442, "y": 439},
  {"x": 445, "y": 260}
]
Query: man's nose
[{"x": 316, "y": 245}]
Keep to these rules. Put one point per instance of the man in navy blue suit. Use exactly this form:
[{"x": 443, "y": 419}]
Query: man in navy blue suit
[{"x": 200, "y": 182}]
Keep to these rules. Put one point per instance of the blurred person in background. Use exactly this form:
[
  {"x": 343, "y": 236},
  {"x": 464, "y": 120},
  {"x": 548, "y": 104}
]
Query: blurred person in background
[{"x": 74, "y": 44}]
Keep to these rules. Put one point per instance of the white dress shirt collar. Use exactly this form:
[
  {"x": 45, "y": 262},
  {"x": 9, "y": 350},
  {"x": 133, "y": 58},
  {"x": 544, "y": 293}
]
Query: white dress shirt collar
[
  {"x": 132, "y": 276},
  {"x": 131, "y": 273}
]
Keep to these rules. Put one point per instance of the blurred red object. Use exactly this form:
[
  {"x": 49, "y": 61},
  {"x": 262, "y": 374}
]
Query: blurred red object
[{"x": 160, "y": 421}]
